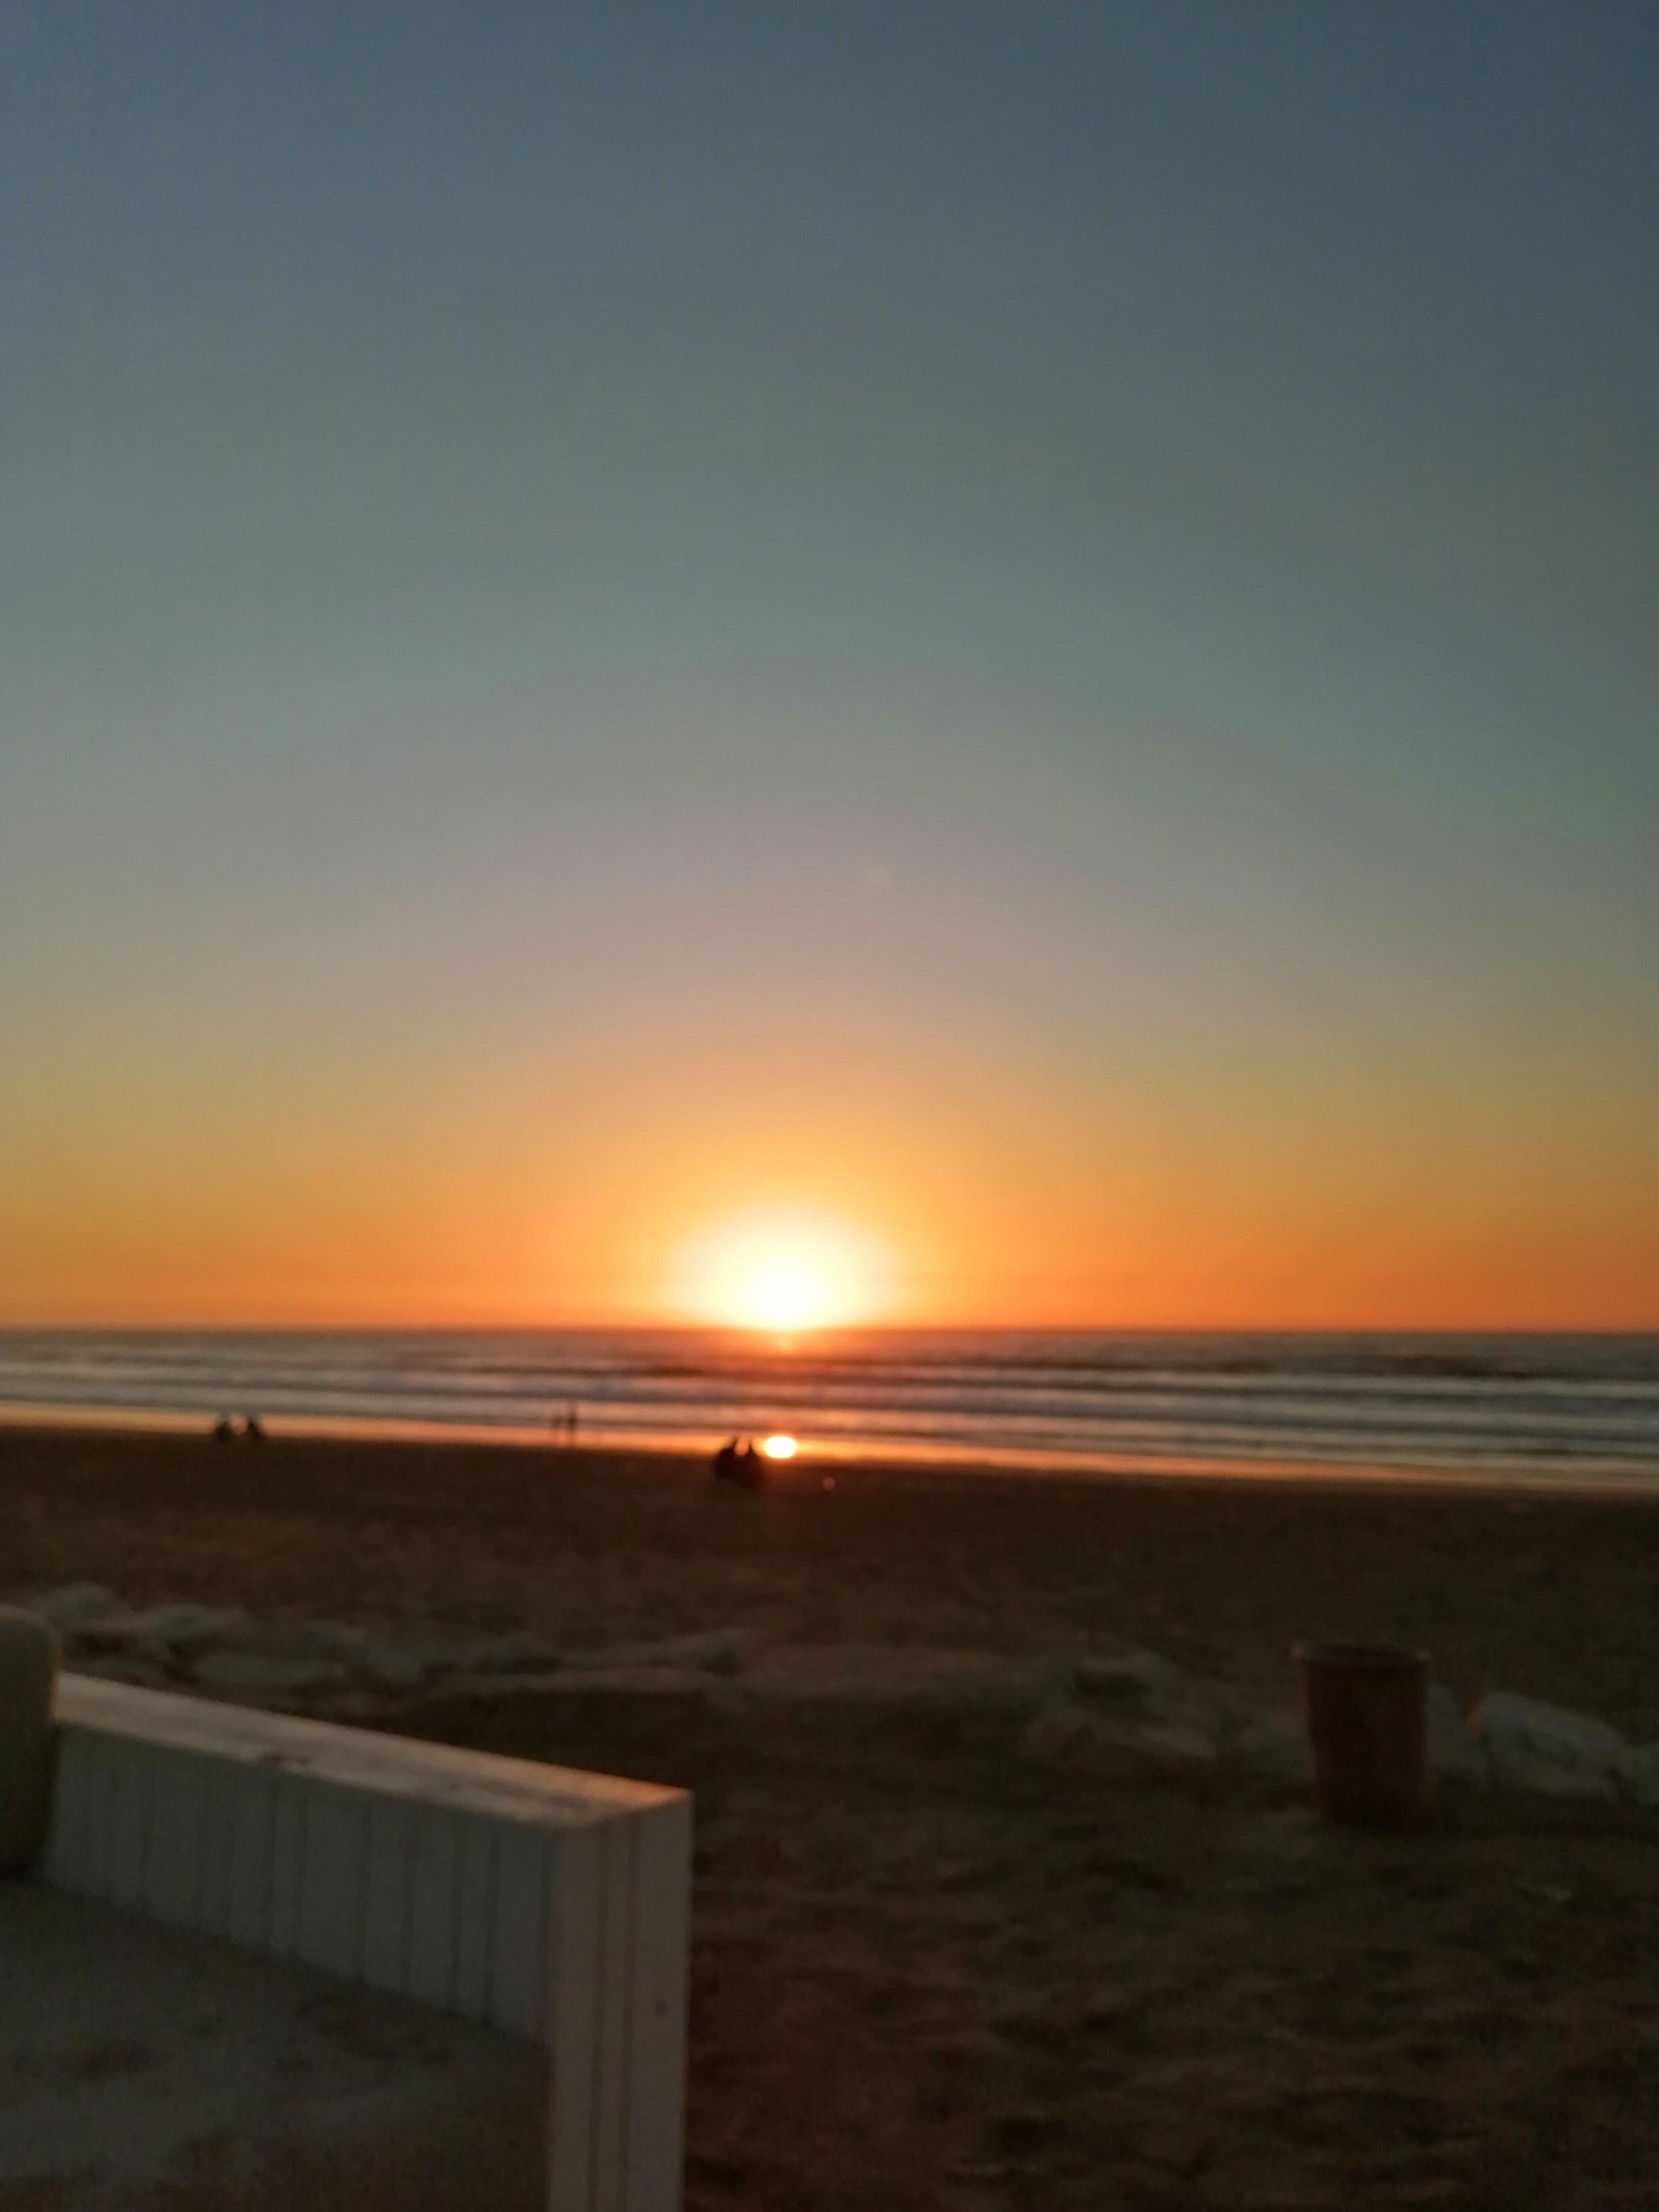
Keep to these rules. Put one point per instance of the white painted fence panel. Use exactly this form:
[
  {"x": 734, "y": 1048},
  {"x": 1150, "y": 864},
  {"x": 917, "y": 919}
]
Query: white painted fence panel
[{"x": 549, "y": 1904}]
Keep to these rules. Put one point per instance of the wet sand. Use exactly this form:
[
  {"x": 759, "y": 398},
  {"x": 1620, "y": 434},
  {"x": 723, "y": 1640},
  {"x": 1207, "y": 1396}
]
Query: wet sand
[{"x": 929, "y": 1973}]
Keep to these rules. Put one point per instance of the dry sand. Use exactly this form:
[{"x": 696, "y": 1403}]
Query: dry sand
[
  {"x": 929, "y": 1974},
  {"x": 146, "y": 2071}
]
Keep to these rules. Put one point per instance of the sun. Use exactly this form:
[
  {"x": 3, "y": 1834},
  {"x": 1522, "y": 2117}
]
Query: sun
[
  {"x": 783, "y": 1292},
  {"x": 783, "y": 1275}
]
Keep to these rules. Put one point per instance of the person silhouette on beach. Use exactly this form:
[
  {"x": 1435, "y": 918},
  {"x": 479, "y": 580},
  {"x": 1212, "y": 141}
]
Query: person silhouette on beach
[
  {"x": 738, "y": 1461},
  {"x": 253, "y": 1430}
]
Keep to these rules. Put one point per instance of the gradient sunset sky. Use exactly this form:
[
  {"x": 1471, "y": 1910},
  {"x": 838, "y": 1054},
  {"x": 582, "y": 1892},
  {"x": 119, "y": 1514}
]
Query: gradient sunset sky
[{"x": 1029, "y": 631}]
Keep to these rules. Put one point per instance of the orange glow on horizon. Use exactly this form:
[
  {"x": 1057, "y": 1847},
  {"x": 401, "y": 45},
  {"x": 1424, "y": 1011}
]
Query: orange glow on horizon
[
  {"x": 783, "y": 1275},
  {"x": 1288, "y": 1197}
]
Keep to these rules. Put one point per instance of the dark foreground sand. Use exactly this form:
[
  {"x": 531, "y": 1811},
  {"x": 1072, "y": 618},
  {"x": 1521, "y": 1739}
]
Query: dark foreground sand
[
  {"x": 929, "y": 1973},
  {"x": 142, "y": 2071}
]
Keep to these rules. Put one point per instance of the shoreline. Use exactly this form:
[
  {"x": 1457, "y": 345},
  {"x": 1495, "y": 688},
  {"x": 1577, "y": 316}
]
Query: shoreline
[{"x": 681, "y": 1446}]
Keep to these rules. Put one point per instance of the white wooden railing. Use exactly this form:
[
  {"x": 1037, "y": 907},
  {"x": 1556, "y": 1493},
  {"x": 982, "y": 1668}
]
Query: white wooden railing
[{"x": 550, "y": 1904}]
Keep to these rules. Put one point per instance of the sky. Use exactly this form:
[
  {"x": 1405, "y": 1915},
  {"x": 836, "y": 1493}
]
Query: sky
[{"x": 1020, "y": 636}]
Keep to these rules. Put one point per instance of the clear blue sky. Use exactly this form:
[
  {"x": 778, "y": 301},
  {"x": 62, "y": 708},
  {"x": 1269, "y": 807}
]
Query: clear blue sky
[{"x": 1095, "y": 564}]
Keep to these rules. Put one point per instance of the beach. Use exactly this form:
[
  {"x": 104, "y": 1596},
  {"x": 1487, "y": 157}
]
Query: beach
[{"x": 930, "y": 1970}]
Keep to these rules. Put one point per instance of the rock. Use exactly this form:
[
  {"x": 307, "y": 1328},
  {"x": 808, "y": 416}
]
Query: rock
[
  {"x": 118, "y": 1632},
  {"x": 74, "y": 1606},
  {"x": 1129, "y": 1679},
  {"x": 173, "y": 1630},
  {"x": 659, "y": 1689},
  {"x": 1071, "y": 1735},
  {"x": 1057, "y": 1736},
  {"x": 297, "y": 1639},
  {"x": 1273, "y": 1745},
  {"x": 169, "y": 1635},
  {"x": 596, "y": 1682},
  {"x": 1640, "y": 1776},
  {"x": 517, "y": 1652},
  {"x": 1053, "y": 1677},
  {"x": 1548, "y": 1778},
  {"x": 898, "y": 1677},
  {"x": 715, "y": 1651},
  {"x": 389, "y": 1666},
  {"x": 1282, "y": 1843},
  {"x": 1547, "y": 1749},
  {"x": 1176, "y": 1716},
  {"x": 257, "y": 1674},
  {"x": 1454, "y": 1755},
  {"x": 1176, "y": 1746}
]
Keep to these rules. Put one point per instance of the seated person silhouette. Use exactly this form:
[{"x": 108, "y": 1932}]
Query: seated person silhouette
[{"x": 738, "y": 1461}]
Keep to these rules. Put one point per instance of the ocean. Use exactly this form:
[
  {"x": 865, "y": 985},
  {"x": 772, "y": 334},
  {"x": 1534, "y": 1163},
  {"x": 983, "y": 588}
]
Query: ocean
[{"x": 1578, "y": 1409}]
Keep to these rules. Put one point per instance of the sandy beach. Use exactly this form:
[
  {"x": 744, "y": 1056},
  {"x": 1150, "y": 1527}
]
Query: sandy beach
[{"x": 929, "y": 1972}]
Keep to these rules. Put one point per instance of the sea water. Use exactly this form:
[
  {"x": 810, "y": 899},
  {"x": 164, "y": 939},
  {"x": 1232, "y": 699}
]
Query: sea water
[{"x": 1566, "y": 1407}]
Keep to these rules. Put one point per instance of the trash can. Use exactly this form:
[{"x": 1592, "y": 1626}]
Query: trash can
[{"x": 1367, "y": 1708}]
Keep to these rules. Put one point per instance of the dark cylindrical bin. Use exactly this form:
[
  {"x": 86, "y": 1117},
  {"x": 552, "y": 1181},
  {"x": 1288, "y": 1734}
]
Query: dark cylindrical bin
[{"x": 1367, "y": 1723}]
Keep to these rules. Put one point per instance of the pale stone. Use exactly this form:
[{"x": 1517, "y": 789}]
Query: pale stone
[
  {"x": 1071, "y": 1736},
  {"x": 254, "y": 1674},
  {"x": 1198, "y": 1713},
  {"x": 1052, "y": 1676},
  {"x": 584, "y": 1682},
  {"x": 1129, "y": 1679},
  {"x": 1640, "y": 1775},
  {"x": 517, "y": 1652},
  {"x": 110, "y": 1632},
  {"x": 297, "y": 1639},
  {"x": 1452, "y": 1753},
  {"x": 1545, "y": 1777},
  {"x": 74, "y": 1606},
  {"x": 1531, "y": 1746},
  {"x": 28, "y": 1672},
  {"x": 890, "y": 1675},
  {"x": 656, "y": 1687},
  {"x": 1176, "y": 1746},
  {"x": 715, "y": 1651},
  {"x": 389, "y": 1666},
  {"x": 179, "y": 1630},
  {"x": 1057, "y": 1736},
  {"x": 1274, "y": 1746}
]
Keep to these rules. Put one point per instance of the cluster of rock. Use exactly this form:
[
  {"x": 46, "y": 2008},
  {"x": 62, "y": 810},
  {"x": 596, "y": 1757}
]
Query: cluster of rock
[
  {"x": 227, "y": 1652},
  {"x": 1143, "y": 1703},
  {"x": 1554, "y": 1753},
  {"x": 1136, "y": 1709}
]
